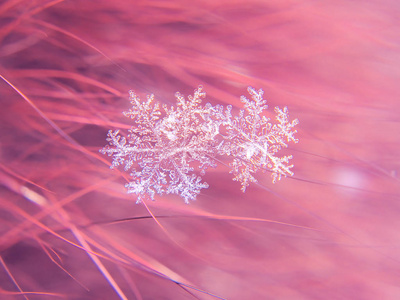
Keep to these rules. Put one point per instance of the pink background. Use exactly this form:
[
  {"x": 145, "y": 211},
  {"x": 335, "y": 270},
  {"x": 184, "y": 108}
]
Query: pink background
[{"x": 329, "y": 232}]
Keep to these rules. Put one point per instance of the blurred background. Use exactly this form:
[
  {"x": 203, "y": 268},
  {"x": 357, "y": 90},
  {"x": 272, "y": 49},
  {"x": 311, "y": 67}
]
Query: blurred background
[{"x": 68, "y": 230}]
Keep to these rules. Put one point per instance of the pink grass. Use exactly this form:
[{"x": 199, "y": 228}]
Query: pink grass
[{"x": 68, "y": 230}]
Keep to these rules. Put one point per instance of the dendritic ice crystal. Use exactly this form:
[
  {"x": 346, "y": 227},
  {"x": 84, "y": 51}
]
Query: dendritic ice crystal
[{"x": 169, "y": 148}]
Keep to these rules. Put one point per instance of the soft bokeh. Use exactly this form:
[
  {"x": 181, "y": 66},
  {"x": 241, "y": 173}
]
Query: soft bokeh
[{"x": 68, "y": 229}]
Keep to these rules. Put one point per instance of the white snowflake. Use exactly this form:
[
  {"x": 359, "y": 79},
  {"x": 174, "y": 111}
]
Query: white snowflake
[
  {"x": 253, "y": 141},
  {"x": 166, "y": 148}
]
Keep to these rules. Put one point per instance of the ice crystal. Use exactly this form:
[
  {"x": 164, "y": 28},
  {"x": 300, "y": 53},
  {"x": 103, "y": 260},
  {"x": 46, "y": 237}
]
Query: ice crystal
[
  {"x": 253, "y": 141},
  {"x": 167, "y": 150}
]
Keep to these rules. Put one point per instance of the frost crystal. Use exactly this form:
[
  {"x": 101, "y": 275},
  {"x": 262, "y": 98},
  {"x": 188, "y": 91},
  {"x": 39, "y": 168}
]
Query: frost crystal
[{"x": 167, "y": 147}]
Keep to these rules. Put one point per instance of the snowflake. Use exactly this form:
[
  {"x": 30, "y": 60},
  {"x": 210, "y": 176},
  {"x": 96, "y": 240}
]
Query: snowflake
[
  {"x": 253, "y": 141},
  {"x": 167, "y": 147}
]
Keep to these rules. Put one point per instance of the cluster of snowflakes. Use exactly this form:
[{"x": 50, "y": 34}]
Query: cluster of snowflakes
[{"x": 166, "y": 145}]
